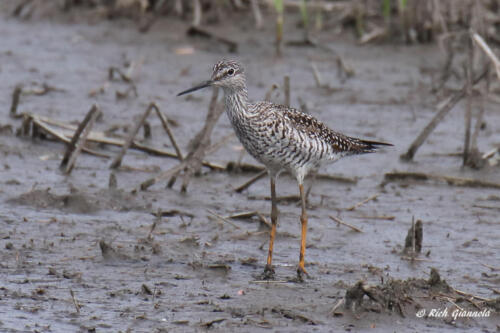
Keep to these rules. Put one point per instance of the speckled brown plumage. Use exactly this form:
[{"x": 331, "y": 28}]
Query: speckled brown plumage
[{"x": 280, "y": 137}]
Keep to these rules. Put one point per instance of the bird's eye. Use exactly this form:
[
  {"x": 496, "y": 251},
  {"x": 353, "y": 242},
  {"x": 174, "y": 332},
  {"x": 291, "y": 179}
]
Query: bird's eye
[{"x": 230, "y": 72}]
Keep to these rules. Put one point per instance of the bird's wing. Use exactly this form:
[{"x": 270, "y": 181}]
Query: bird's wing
[{"x": 314, "y": 128}]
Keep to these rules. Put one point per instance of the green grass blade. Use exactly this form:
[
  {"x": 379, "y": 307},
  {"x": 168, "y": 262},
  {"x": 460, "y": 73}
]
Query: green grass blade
[
  {"x": 386, "y": 10},
  {"x": 304, "y": 14},
  {"x": 278, "y": 4}
]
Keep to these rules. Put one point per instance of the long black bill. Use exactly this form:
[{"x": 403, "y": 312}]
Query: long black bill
[{"x": 198, "y": 87}]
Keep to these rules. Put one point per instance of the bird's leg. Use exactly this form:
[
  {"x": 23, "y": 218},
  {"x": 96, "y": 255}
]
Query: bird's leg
[
  {"x": 303, "y": 220},
  {"x": 269, "y": 271},
  {"x": 313, "y": 180}
]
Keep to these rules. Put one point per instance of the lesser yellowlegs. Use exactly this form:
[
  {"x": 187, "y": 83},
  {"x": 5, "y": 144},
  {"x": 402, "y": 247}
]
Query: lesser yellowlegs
[{"x": 281, "y": 138}]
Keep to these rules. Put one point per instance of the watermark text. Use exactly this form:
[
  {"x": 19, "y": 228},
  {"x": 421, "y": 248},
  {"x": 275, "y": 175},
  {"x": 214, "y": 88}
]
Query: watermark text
[{"x": 455, "y": 313}]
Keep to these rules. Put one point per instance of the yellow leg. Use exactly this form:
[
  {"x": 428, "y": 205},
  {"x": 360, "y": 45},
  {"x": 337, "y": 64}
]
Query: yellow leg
[
  {"x": 303, "y": 220},
  {"x": 269, "y": 271}
]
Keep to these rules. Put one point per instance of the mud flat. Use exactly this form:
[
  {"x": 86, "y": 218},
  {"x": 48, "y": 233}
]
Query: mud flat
[{"x": 80, "y": 255}]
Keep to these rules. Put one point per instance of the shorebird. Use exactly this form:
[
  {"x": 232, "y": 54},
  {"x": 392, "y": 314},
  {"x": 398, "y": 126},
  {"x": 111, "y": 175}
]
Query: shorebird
[{"x": 281, "y": 138}]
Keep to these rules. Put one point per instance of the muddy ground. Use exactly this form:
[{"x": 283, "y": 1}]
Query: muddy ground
[{"x": 197, "y": 272}]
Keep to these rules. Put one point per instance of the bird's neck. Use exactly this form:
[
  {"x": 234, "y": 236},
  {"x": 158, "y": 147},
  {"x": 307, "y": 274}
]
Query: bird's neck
[{"x": 236, "y": 102}]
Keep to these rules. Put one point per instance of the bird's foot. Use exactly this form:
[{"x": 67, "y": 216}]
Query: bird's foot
[
  {"x": 268, "y": 273},
  {"x": 301, "y": 272}
]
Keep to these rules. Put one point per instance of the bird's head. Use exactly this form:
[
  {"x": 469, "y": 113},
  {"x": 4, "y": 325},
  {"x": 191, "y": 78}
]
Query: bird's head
[{"x": 227, "y": 74}]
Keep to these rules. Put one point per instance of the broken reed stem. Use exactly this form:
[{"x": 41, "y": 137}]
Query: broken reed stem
[
  {"x": 78, "y": 140},
  {"x": 375, "y": 217},
  {"x": 112, "y": 182},
  {"x": 247, "y": 184},
  {"x": 246, "y": 215},
  {"x": 373, "y": 197},
  {"x": 194, "y": 160},
  {"x": 334, "y": 178},
  {"x": 317, "y": 77},
  {"x": 44, "y": 122},
  {"x": 267, "y": 96},
  {"x": 493, "y": 268},
  {"x": 163, "y": 175},
  {"x": 166, "y": 127},
  {"x": 159, "y": 152},
  {"x": 343, "y": 69},
  {"x": 202, "y": 138},
  {"x": 216, "y": 146},
  {"x": 27, "y": 124},
  {"x": 336, "y": 219},
  {"x": 451, "y": 300},
  {"x": 455, "y": 181},
  {"x": 337, "y": 305},
  {"x": 197, "y": 31},
  {"x": 124, "y": 94},
  {"x": 16, "y": 96},
  {"x": 147, "y": 130},
  {"x": 202, "y": 143},
  {"x": 286, "y": 87},
  {"x": 413, "y": 258},
  {"x": 270, "y": 281},
  {"x": 263, "y": 219},
  {"x": 196, "y": 13},
  {"x": 178, "y": 8},
  {"x": 443, "y": 110},
  {"x": 75, "y": 302},
  {"x": 256, "y": 14},
  {"x": 413, "y": 236},
  {"x": 469, "y": 72},
  {"x": 279, "y": 25},
  {"x": 463, "y": 293},
  {"x": 477, "y": 126},
  {"x": 223, "y": 219},
  {"x": 80, "y": 143},
  {"x": 486, "y": 49},
  {"x": 155, "y": 224},
  {"x": 123, "y": 76},
  {"x": 41, "y": 122},
  {"x": 118, "y": 159}
]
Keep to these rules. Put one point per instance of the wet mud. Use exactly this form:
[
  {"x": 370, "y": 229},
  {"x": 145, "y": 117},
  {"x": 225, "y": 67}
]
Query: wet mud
[{"x": 77, "y": 254}]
